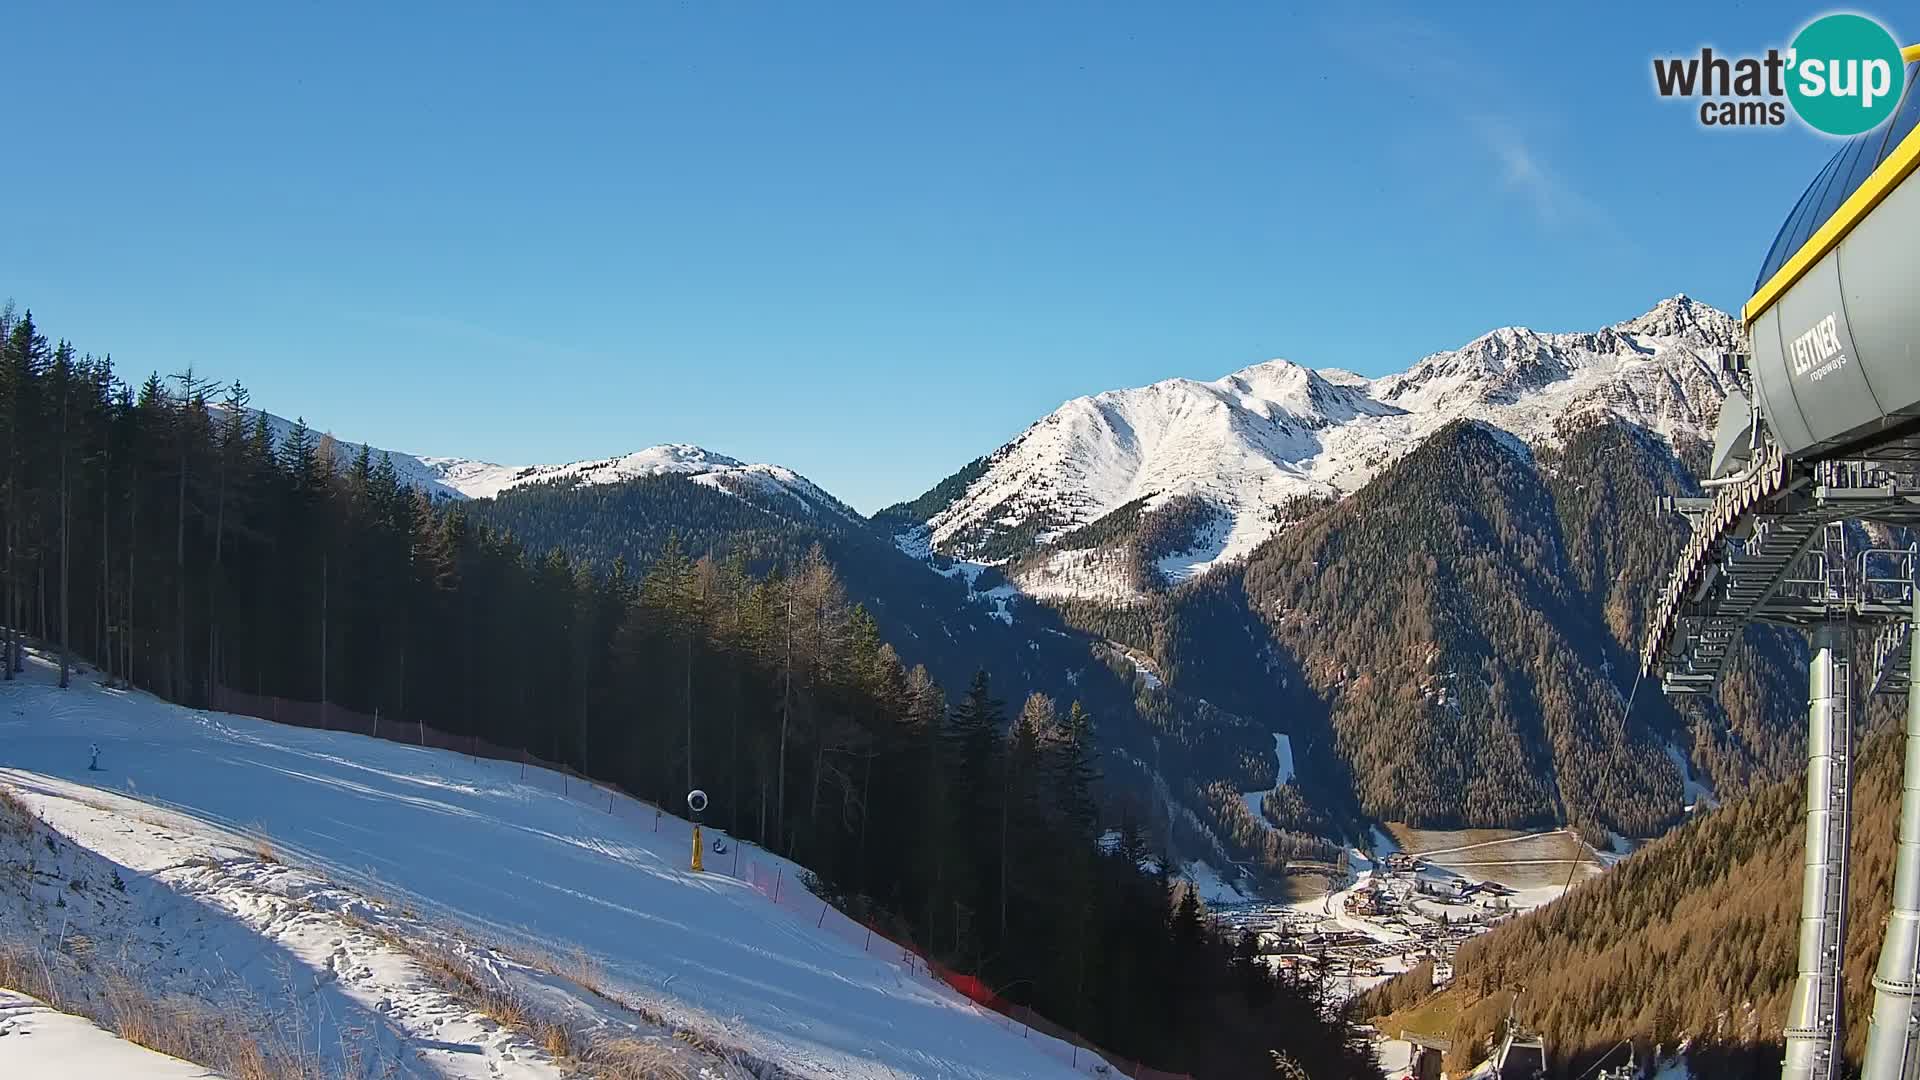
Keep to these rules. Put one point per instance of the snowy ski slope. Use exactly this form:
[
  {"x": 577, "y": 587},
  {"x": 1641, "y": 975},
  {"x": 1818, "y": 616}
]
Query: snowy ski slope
[{"x": 472, "y": 845}]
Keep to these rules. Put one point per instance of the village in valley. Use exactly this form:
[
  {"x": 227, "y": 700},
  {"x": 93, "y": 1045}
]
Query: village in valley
[{"x": 1414, "y": 899}]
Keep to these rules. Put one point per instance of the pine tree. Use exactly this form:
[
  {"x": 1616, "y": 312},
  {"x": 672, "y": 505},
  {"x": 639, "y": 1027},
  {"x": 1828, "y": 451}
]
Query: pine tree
[{"x": 62, "y": 377}]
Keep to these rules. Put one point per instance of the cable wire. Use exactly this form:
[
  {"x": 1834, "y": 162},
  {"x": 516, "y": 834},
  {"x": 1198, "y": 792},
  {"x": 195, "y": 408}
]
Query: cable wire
[{"x": 1626, "y": 711}]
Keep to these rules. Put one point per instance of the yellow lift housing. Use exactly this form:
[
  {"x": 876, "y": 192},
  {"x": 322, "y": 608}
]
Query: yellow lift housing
[{"x": 1834, "y": 320}]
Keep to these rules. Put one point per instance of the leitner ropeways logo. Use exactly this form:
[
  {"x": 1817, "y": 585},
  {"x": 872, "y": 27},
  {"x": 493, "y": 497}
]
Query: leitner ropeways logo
[{"x": 1842, "y": 75}]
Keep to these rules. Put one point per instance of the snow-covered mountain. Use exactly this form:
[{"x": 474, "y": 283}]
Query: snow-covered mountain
[
  {"x": 469, "y": 478},
  {"x": 479, "y": 480},
  {"x": 1244, "y": 444}
]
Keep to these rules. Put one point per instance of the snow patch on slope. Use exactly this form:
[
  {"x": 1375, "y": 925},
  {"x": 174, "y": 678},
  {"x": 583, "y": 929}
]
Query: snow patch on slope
[
  {"x": 1209, "y": 548},
  {"x": 1694, "y": 793},
  {"x": 1283, "y": 759},
  {"x": 1089, "y": 573},
  {"x": 39, "y": 1040},
  {"x": 1283, "y": 772},
  {"x": 1142, "y": 668},
  {"x": 1213, "y": 889}
]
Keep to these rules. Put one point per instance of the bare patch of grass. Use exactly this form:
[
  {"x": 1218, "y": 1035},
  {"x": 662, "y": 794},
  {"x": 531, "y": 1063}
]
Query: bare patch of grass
[
  {"x": 556, "y": 1038},
  {"x": 260, "y": 845},
  {"x": 192, "y": 1030},
  {"x": 629, "y": 1058},
  {"x": 15, "y": 818},
  {"x": 575, "y": 966},
  {"x": 174, "y": 1024},
  {"x": 584, "y": 970},
  {"x": 635, "y": 1059},
  {"x": 700, "y": 1042},
  {"x": 28, "y": 971},
  {"x": 608, "y": 1058},
  {"x": 80, "y": 947},
  {"x": 490, "y": 998},
  {"x": 586, "y": 1052}
]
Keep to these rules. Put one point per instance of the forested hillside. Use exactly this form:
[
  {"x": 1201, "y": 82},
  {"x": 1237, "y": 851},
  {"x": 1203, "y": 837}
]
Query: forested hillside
[
  {"x": 1440, "y": 595},
  {"x": 169, "y": 539},
  {"x": 1204, "y": 752},
  {"x": 1605, "y": 479},
  {"x": 1436, "y": 580},
  {"x": 1457, "y": 639}
]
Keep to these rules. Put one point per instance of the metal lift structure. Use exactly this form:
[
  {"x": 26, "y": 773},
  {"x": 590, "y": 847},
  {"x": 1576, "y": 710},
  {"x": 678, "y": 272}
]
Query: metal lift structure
[{"x": 1816, "y": 456}]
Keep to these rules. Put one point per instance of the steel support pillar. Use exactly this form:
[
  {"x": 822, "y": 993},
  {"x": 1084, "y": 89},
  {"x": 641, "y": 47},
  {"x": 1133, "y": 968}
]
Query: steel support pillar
[
  {"x": 1814, "y": 1017},
  {"x": 1893, "y": 1038}
]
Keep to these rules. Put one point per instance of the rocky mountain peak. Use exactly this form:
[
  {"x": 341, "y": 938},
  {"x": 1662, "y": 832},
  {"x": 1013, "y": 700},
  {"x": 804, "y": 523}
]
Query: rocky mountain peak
[
  {"x": 1247, "y": 443},
  {"x": 1684, "y": 318}
]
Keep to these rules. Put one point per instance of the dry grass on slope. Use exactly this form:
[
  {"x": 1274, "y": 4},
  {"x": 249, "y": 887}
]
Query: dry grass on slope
[
  {"x": 175, "y": 1024},
  {"x": 98, "y": 980}
]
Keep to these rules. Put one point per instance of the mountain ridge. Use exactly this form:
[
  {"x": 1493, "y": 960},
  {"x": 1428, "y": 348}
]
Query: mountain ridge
[
  {"x": 1259, "y": 436},
  {"x": 462, "y": 478},
  {"x": 1205, "y": 481}
]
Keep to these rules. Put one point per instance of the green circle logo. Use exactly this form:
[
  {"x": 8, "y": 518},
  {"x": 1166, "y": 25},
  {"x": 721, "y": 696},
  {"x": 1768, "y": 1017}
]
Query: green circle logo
[{"x": 1845, "y": 74}]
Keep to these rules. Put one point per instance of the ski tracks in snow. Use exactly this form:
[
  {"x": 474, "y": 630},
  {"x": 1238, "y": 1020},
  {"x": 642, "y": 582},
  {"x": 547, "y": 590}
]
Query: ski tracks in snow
[{"x": 320, "y": 957}]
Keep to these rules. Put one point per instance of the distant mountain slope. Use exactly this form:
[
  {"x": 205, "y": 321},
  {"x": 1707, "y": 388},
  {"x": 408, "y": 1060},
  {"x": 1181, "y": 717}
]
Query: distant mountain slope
[
  {"x": 1161, "y": 745},
  {"x": 1432, "y": 582},
  {"x": 468, "y": 478},
  {"x": 1244, "y": 444},
  {"x": 1437, "y": 612},
  {"x": 1461, "y": 634},
  {"x": 1436, "y": 578},
  {"x": 411, "y": 469},
  {"x": 479, "y": 480},
  {"x": 1164, "y": 749}
]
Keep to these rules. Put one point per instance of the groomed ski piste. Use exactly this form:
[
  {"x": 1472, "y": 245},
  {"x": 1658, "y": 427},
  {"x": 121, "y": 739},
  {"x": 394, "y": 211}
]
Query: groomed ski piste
[{"x": 322, "y": 884}]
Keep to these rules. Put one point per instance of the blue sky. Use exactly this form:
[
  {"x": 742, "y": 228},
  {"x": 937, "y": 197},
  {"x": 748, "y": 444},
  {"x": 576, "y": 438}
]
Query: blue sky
[{"x": 870, "y": 242}]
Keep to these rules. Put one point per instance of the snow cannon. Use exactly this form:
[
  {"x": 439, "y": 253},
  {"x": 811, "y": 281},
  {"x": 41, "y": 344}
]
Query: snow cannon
[{"x": 697, "y": 804}]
